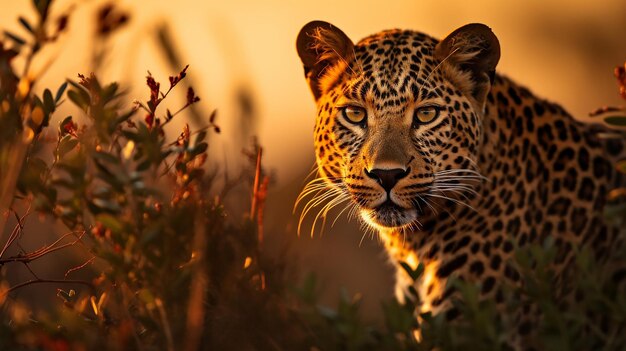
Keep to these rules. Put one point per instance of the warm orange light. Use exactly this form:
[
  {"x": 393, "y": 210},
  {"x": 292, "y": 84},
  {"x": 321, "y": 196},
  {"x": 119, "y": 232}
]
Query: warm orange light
[
  {"x": 429, "y": 277},
  {"x": 247, "y": 262}
]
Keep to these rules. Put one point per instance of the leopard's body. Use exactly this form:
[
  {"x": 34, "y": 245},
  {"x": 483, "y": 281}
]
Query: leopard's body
[{"x": 497, "y": 168}]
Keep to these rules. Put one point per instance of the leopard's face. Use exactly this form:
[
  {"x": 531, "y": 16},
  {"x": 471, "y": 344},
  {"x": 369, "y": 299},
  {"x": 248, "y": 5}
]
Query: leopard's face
[{"x": 394, "y": 131}]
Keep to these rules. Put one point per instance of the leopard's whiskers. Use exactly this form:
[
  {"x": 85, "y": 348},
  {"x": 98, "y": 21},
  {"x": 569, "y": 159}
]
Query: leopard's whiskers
[
  {"x": 323, "y": 212},
  {"x": 443, "y": 196},
  {"x": 323, "y": 193}
]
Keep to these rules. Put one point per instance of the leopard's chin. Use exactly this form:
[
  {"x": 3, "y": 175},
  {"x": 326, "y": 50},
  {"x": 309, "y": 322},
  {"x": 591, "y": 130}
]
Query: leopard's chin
[{"x": 389, "y": 216}]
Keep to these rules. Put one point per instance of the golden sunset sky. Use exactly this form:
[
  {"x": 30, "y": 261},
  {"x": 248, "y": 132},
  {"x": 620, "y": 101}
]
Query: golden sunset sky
[{"x": 563, "y": 50}]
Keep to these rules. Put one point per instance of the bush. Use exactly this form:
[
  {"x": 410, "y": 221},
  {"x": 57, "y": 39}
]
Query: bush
[{"x": 168, "y": 266}]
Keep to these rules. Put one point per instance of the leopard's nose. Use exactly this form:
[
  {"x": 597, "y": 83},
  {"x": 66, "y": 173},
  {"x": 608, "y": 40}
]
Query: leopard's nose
[{"x": 388, "y": 178}]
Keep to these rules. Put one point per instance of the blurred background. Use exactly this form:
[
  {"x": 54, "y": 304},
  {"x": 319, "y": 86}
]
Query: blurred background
[{"x": 243, "y": 63}]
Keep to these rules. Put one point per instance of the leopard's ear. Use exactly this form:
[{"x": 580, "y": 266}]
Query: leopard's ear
[
  {"x": 470, "y": 55},
  {"x": 322, "y": 47}
]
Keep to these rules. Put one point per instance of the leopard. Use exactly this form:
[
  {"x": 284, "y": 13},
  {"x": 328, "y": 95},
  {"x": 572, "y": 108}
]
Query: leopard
[{"x": 454, "y": 166}]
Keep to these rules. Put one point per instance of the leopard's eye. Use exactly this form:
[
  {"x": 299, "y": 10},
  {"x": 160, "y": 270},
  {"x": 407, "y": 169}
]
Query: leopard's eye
[
  {"x": 425, "y": 114},
  {"x": 354, "y": 114}
]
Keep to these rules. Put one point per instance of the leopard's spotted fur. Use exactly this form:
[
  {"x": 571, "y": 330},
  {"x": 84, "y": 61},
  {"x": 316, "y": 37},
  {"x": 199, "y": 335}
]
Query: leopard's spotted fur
[{"x": 499, "y": 168}]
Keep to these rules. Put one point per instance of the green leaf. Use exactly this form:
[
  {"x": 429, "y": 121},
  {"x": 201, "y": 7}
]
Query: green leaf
[
  {"x": 75, "y": 165},
  {"x": 398, "y": 319},
  {"x": 124, "y": 117},
  {"x": 76, "y": 85},
  {"x": 131, "y": 135},
  {"x": 79, "y": 99},
  {"x": 18, "y": 40},
  {"x": 67, "y": 144},
  {"x": 413, "y": 292},
  {"x": 97, "y": 206},
  {"x": 106, "y": 157},
  {"x": 200, "y": 148},
  {"x": 108, "y": 93},
  {"x": 413, "y": 273},
  {"x": 60, "y": 92},
  {"x": 201, "y": 136},
  {"x": 195, "y": 174},
  {"x": 110, "y": 222},
  {"x": 102, "y": 191},
  {"x": 144, "y": 165},
  {"x": 327, "y": 312},
  {"x": 24, "y": 22},
  {"x": 616, "y": 120},
  {"x": 48, "y": 102},
  {"x": 138, "y": 187},
  {"x": 143, "y": 131},
  {"x": 63, "y": 183},
  {"x": 166, "y": 153},
  {"x": 38, "y": 101},
  {"x": 419, "y": 270},
  {"x": 102, "y": 168},
  {"x": 42, "y": 7},
  {"x": 114, "y": 179}
]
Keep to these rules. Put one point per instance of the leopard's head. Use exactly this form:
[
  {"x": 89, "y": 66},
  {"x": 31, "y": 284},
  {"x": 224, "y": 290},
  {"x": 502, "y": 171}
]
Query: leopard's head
[{"x": 399, "y": 117}]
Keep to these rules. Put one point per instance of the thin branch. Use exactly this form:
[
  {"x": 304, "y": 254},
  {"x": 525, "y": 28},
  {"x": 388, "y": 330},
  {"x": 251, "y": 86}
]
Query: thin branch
[
  {"x": 257, "y": 182},
  {"x": 39, "y": 281},
  {"x": 73, "y": 269},
  {"x": 172, "y": 115},
  {"x": 17, "y": 230},
  {"x": 31, "y": 270},
  {"x": 10, "y": 240},
  {"x": 31, "y": 256}
]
